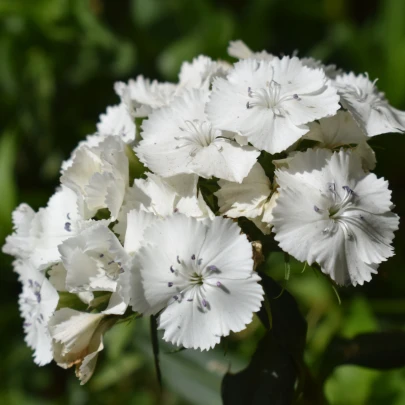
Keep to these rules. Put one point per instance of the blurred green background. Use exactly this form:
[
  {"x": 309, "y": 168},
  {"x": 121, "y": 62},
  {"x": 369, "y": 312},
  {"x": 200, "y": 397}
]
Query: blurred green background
[{"x": 58, "y": 62}]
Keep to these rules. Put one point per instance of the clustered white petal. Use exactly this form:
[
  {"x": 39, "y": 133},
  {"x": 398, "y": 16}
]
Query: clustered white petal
[{"x": 147, "y": 216}]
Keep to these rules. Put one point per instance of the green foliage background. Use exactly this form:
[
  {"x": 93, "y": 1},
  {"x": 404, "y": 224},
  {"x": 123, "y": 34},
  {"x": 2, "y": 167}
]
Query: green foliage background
[{"x": 58, "y": 62}]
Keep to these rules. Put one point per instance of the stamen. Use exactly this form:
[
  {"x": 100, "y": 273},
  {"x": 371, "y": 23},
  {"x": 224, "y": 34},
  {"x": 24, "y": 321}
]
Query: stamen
[
  {"x": 219, "y": 284},
  {"x": 172, "y": 269},
  {"x": 316, "y": 209},
  {"x": 176, "y": 297},
  {"x": 170, "y": 284},
  {"x": 68, "y": 227},
  {"x": 204, "y": 302},
  {"x": 212, "y": 268},
  {"x": 178, "y": 260},
  {"x": 193, "y": 257},
  {"x": 101, "y": 255}
]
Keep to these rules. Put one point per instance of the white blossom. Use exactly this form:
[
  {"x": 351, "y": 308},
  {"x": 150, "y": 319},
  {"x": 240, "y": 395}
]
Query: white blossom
[
  {"x": 77, "y": 338},
  {"x": 200, "y": 275},
  {"x": 117, "y": 121},
  {"x": 342, "y": 130},
  {"x": 269, "y": 102},
  {"x": 368, "y": 106},
  {"x": 100, "y": 175},
  {"x": 238, "y": 49},
  {"x": 141, "y": 96},
  {"x": 37, "y": 302},
  {"x": 95, "y": 260},
  {"x": 200, "y": 72},
  {"x": 250, "y": 199},
  {"x": 37, "y": 235},
  {"x": 330, "y": 212},
  {"x": 181, "y": 139},
  {"x": 162, "y": 197}
]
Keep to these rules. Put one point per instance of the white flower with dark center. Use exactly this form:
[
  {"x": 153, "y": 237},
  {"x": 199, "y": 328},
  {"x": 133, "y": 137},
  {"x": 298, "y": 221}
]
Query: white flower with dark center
[
  {"x": 330, "y": 212},
  {"x": 368, "y": 106},
  {"x": 269, "y": 102},
  {"x": 342, "y": 130},
  {"x": 200, "y": 275},
  {"x": 100, "y": 175},
  {"x": 117, "y": 121},
  {"x": 142, "y": 96},
  {"x": 181, "y": 139},
  {"x": 37, "y": 302}
]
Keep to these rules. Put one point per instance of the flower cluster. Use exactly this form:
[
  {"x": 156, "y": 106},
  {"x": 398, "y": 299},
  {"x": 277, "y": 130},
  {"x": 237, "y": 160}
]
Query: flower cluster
[{"x": 145, "y": 220}]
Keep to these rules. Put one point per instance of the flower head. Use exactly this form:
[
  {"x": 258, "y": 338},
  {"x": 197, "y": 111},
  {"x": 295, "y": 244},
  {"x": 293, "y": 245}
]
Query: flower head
[
  {"x": 343, "y": 220},
  {"x": 200, "y": 275},
  {"x": 269, "y": 102}
]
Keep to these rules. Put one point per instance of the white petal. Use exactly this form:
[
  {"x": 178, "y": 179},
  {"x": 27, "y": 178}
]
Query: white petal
[
  {"x": 238, "y": 49},
  {"x": 368, "y": 106},
  {"x": 245, "y": 199},
  {"x": 230, "y": 308},
  {"x": 37, "y": 302},
  {"x": 117, "y": 121}
]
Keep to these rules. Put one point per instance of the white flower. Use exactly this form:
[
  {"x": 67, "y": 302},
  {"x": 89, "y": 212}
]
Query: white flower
[
  {"x": 117, "y": 121},
  {"x": 342, "y": 130},
  {"x": 368, "y": 106},
  {"x": 37, "y": 235},
  {"x": 100, "y": 175},
  {"x": 181, "y": 139},
  {"x": 77, "y": 338},
  {"x": 96, "y": 261},
  {"x": 200, "y": 275},
  {"x": 37, "y": 302},
  {"x": 238, "y": 49},
  {"x": 200, "y": 72},
  {"x": 142, "y": 96},
  {"x": 162, "y": 197},
  {"x": 330, "y": 212},
  {"x": 269, "y": 102},
  {"x": 250, "y": 199}
]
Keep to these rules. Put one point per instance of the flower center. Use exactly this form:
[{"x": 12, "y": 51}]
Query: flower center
[
  {"x": 336, "y": 210},
  {"x": 198, "y": 134},
  {"x": 270, "y": 97},
  {"x": 191, "y": 280}
]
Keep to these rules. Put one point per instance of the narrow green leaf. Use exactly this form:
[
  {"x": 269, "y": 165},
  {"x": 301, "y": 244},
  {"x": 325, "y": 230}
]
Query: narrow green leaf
[{"x": 155, "y": 347}]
